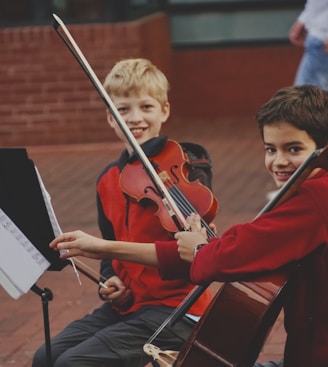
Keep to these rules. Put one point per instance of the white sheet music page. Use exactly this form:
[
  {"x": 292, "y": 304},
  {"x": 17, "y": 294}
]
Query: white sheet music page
[
  {"x": 21, "y": 263},
  {"x": 53, "y": 219}
]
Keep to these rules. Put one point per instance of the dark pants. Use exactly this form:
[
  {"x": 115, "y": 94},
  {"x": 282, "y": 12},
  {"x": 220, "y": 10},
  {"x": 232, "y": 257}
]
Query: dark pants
[{"x": 108, "y": 339}]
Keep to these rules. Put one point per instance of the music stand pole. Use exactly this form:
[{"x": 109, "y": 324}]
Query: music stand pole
[{"x": 46, "y": 296}]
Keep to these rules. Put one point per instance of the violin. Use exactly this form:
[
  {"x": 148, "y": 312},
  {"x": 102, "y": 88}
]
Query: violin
[{"x": 172, "y": 166}]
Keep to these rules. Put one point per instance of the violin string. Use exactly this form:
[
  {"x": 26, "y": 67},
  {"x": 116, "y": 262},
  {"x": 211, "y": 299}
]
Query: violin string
[
  {"x": 185, "y": 304},
  {"x": 184, "y": 202},
  {"x": 158, "y": 331},
  {"x": 187, "y": 208}
]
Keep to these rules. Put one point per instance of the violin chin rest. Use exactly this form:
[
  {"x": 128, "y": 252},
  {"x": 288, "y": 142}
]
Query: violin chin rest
[{"x": 164, "y": 358}]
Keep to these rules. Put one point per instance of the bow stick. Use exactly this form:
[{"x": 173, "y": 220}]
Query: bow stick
[{"x": 163, "y": 193}]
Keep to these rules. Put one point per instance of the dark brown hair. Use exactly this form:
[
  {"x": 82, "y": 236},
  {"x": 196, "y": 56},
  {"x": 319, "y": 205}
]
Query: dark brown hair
[{"x": 305, "y": 107}]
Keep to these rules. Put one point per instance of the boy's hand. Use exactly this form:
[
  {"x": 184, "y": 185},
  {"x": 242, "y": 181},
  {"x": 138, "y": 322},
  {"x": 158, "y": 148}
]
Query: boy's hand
[
  {"x": 79, "y": 244},
  {"x": 187, "y": 241},
  {"x": 116, "y": 292}
]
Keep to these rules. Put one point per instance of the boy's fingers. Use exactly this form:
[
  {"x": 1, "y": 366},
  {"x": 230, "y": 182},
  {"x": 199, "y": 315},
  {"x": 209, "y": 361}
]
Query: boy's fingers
[{"x": 195, "y": 222}]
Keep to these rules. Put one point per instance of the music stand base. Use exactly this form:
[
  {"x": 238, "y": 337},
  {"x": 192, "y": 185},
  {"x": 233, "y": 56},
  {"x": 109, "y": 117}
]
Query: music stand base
[{"x": 46, "y": 296}]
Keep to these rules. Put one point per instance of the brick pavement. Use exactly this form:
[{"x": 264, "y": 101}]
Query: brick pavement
[{"x": 70, "y": 172}]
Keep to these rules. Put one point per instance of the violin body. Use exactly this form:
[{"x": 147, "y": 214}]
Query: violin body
[
  {"x": 172, "y": 166},
  {"x": 232, "y": 331}
]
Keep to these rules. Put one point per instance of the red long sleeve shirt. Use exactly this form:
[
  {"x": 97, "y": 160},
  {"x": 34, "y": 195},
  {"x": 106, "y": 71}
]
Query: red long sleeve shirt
[
  {"x": 124, "y": 218},
  {"x": 296, "y": 232}
]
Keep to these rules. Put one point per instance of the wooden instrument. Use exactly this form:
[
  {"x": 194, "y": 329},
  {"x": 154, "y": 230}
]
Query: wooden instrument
[
  {"x": 233, "y": 330},
  {"x": 172, "y": 166}
]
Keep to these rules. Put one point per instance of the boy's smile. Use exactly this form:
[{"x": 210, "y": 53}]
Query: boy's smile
[
  {"x": 286, "y": 148},
  {"x": 143, "y": 115}
]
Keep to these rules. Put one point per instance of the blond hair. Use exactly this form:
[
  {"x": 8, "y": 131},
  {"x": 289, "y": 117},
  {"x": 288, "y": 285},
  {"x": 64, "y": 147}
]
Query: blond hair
[{"x": 134, "y": 76}]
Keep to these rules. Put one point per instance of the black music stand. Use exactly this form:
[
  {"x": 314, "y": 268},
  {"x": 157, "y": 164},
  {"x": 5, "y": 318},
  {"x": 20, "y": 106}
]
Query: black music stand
[{"x": 22, "y": 200}]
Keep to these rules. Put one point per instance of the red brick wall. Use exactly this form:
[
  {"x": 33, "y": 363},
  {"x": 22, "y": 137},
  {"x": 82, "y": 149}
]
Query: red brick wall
[
  {"x": 47, "y": 99},
  {"x": 230, "y": 82}
]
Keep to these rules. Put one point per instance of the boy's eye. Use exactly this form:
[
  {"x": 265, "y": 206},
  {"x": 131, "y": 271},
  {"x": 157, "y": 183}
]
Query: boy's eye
[
  {"x": 295, "y": 149},
  {"x": 270, "y": 150},
  {"x": 122, "y": 109},
  {"x": 147, "y": 106}
]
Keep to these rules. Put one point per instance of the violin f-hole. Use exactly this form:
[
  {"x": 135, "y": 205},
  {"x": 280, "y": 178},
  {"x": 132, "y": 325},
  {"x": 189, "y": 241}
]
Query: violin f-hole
[
  {"x": 151, "y": 188},
  {"x": 174, "y": 174}
]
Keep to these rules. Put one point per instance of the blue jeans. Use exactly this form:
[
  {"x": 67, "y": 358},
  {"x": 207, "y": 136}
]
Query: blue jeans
[
  {"x": 270, "y": 364},
  {"x": 313, "y": 68}
]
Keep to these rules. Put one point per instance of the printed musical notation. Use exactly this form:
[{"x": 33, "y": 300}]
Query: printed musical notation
[{"x": 21, "y": 263}]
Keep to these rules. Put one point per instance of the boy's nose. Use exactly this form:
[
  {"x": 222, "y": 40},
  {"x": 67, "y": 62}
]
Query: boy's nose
[
  {"x": 134, "y": 116},
  {"x": 281, "y": 159}
]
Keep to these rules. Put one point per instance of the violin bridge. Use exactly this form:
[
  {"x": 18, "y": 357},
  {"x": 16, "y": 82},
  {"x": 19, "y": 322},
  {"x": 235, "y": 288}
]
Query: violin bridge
[
  {"x": 164, "y": 176},
  {"x": 164, "y": 358}
]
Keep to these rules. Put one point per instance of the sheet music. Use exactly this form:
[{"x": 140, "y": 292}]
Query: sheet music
[
  {"x": 53, "y": 220},
  {"x": 21, "y": 263}
]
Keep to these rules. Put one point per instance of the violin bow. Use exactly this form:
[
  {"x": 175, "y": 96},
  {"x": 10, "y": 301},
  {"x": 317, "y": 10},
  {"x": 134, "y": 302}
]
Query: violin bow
[{"x": 162, "y": 191}]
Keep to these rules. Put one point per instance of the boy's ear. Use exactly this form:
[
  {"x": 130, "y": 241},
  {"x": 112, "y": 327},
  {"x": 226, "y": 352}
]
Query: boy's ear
[
  {"x": 166, "y": 111},
  {"x": 110, "y": 118}
]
